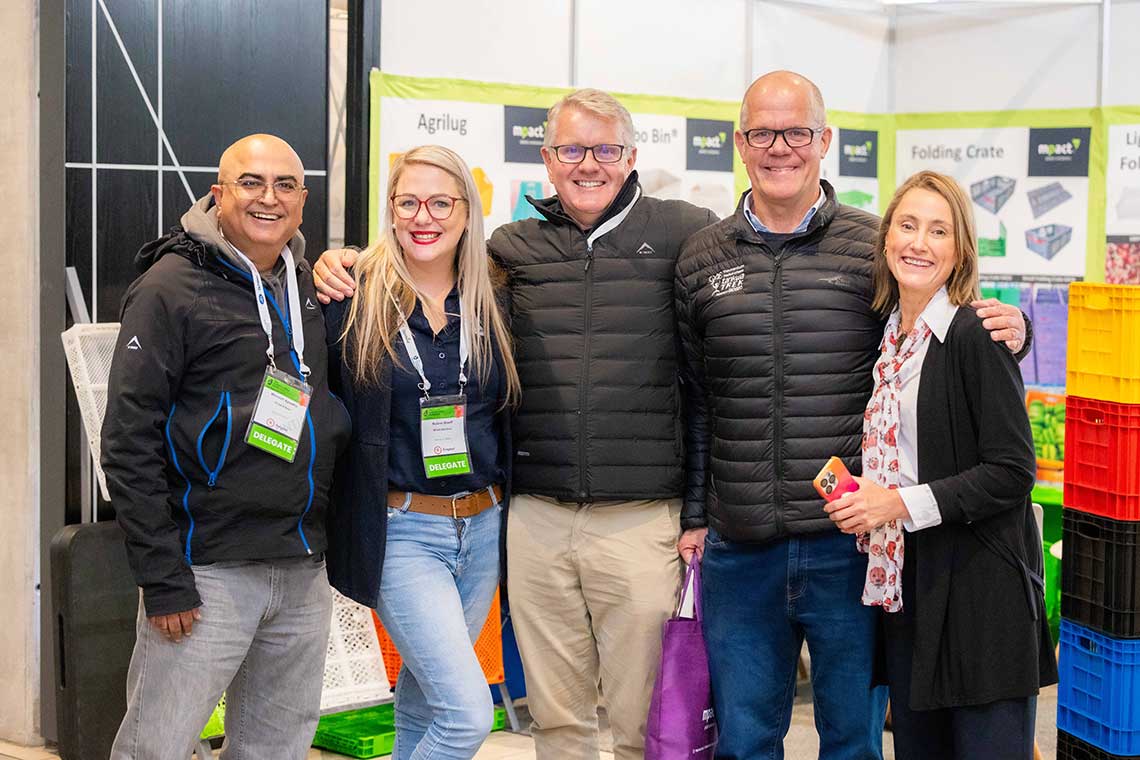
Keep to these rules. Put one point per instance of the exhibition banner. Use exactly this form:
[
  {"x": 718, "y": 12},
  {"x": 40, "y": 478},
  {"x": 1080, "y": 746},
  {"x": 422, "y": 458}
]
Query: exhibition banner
[
  {"x": 684, "y": 146},
  {"x": 1031, "y": 177},
  {"x": 1122, "y": 197}
]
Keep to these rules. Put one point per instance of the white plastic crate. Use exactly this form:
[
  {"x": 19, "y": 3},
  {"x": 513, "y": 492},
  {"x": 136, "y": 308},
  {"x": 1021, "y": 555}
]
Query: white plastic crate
[
  {"x": 354, "y": 664},
  {"x": 89, "y": 348}
]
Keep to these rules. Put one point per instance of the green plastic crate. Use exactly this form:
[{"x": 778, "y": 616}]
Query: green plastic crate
[
  {"x": 1052, "y": 590},
  {"x": 369, "y": 732}
]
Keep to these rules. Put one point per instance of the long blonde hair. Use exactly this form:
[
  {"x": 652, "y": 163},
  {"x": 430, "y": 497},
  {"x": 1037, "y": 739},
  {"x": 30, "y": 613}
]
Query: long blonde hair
[{"x": 385, "y": 282}]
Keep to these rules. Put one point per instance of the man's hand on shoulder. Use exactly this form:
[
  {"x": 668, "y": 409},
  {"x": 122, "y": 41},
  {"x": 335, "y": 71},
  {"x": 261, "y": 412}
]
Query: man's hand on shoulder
[
  {"x": 177, "y": 624},
  {"x": 331, "y": 276},
  {"x": 1006, "y": 323}
]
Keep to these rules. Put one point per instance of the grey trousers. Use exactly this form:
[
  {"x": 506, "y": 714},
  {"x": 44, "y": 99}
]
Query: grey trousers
[{"x": 262, "y": 640}]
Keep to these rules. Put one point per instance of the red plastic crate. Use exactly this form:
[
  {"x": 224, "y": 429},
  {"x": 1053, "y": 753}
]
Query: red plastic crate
[{"x": 1102, "y": 458}]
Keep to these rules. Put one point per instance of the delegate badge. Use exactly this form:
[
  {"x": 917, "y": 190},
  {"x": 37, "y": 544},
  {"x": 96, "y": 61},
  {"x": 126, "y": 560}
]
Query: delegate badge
[
  {"x": 279, "y": 414},
  {"x": 443, "y": 436}
]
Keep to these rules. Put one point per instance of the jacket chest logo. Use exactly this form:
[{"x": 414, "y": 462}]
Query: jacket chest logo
[
  {"x": 646, "y": 249},
  {"x": 729, "y": 280}
]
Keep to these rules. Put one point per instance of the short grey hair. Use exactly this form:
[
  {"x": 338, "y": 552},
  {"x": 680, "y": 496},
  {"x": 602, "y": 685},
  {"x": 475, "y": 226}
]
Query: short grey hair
[{"x": 595, "y": 102}]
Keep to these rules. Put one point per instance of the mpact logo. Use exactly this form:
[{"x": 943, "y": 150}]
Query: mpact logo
[
  {"x": 717, "y": 141},
  {"x": 858, "y": 151},
  {"x": 1060, "y": 149},
  {"x": 529, "y": 133},
  {"x": 523, "y": 132},
  {"x": 1059, "y": 152},
  {"x": 707, "y": 145}
]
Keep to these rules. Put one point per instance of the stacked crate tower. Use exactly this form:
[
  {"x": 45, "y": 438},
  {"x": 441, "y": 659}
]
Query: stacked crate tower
[{"x": 1098, "y": 699}]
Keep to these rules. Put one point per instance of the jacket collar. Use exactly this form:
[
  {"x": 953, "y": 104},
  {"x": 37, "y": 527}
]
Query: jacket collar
[{"x": 552, "y": 210}]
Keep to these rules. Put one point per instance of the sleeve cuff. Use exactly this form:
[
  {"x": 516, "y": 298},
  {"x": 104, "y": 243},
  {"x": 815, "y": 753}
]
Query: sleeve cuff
[{"x": 922, "y": 506}]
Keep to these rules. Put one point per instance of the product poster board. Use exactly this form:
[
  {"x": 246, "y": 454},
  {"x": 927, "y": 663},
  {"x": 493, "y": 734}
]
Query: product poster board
[
  {"x": 685, "y": 146},
  {"x": 1035, "y": 179},
  {"x": 1122, "y": 197},
  {"x": 860, "y": 159}
]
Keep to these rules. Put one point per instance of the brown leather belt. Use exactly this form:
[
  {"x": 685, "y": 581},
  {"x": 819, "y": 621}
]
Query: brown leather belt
[{"x": 448, "y": 506}]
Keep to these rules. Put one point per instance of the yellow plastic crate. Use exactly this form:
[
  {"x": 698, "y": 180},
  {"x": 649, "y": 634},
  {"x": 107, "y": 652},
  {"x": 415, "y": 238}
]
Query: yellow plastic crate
[{"x": 1104, "y": 342}]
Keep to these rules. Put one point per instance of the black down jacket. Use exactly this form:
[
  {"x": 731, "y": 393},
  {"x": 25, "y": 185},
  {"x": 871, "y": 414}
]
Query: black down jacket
[
  {"x": 596, "y": 347},
  {"x": 782, "y": 342}
]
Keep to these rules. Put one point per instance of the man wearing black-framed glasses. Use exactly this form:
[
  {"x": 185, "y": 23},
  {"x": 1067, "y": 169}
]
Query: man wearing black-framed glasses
[
  {"x": 774, "y": 313},
  {"x": 218, "y": 446},
  {"x": 595, "y": 509}
]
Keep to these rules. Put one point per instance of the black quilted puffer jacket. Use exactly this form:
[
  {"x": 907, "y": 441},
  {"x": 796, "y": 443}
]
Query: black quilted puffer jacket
[
  {"x": 780, "y": 335},
  {"x": 596, "y": 347}
]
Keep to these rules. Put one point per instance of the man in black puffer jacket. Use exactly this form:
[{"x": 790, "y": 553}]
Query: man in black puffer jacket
[
  {"x": 592, "y": 568},
  {"x": 774, "y": 310},
  {"x": 595, "y": 509}
]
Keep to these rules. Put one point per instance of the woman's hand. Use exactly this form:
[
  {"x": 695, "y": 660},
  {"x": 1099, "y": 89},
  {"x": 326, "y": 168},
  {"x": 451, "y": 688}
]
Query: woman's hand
[
  {"x": 331, "y": 276},
  {"x": 869, "y": 507}
]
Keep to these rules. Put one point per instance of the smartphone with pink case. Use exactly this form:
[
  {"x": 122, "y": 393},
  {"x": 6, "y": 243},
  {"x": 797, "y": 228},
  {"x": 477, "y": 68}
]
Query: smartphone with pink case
[{"x": 834, "y": 480}]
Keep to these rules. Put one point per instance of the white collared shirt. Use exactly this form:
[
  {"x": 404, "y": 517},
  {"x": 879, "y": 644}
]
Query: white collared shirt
[{"x": 919, "y": 499}]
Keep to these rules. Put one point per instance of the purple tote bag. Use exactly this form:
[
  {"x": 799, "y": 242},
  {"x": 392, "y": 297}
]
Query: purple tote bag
[{"x": 681, "y": 724}]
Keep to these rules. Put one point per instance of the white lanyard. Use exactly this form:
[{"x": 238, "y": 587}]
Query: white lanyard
[
  {"x": 414, "y": 353},
  {"x": 296, "y": 319}
]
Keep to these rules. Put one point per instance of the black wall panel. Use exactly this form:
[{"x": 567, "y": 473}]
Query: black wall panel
[{"x": 214, "y": 71}]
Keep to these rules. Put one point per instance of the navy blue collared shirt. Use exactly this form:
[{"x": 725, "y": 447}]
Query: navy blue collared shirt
[{"x": 440, "y": 355}]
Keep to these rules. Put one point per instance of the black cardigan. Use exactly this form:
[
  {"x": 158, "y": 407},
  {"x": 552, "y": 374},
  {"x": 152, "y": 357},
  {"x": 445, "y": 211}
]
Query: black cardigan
[{"x": 972, "y": 585}]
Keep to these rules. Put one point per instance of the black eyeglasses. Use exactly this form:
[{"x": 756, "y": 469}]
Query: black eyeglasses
[
  {"x": 254, "y": 189},
  {"x": 439, "y": 207},
  {"x": 605, "y": 153},
  {"x": 794, "y": 137}
]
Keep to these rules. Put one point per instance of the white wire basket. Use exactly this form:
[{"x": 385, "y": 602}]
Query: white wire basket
[
  {"x": 354, "y": 664},
  {"x": 89, "y": 348}
]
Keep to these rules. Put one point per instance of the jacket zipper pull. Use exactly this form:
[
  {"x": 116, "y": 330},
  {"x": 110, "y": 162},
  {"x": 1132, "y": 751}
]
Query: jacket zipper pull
[{"x": 588, "y": 260}]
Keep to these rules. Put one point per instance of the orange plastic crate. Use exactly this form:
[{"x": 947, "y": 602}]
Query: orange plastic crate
[
  {"x": 488, "y": 647},
  {"x": 1104, "y": 342}
]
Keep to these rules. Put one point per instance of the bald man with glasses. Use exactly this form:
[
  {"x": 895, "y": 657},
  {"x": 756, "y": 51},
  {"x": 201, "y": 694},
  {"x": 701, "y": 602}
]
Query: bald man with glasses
[{"x": 218, "y": 446}]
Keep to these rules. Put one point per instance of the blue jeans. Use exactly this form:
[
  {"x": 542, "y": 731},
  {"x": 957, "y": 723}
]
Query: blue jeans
[
  {"x": 262, "y": 639},
  {"x": 438, "y": 582},
  {"x": 760, "y": 602}
]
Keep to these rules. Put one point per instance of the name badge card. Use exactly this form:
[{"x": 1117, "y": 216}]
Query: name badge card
[
  {"x": 443, "y": 436},
  {"x": 279, "y": 414}
]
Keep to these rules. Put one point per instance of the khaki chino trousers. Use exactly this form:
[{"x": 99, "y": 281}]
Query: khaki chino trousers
[{"x": 590, "y": 586}]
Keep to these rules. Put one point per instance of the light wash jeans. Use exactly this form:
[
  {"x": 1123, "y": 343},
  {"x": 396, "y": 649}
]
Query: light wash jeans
[
  {"x": 438, "y": 582},
  {"x": 262, "y": 640}
]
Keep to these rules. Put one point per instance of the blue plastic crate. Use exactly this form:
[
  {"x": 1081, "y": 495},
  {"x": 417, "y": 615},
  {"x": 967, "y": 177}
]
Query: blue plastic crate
[{"x": 1098, "y": 699}]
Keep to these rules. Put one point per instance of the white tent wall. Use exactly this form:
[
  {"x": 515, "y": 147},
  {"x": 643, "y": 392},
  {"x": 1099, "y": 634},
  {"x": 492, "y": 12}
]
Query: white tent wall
[
  {"x": 866, "y": 56},
  {"x": 973, "y": 57},
  {"x": 1124, "y": 54},
  {"x": 845, "y": 49}
]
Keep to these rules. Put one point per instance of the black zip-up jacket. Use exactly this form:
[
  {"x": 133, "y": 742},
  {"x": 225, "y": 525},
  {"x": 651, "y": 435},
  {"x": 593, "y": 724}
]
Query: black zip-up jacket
[
  {"x": 596, "y": 347},
  {"x": 782, "y": 343},
  {"x": 186, "y": 372}
]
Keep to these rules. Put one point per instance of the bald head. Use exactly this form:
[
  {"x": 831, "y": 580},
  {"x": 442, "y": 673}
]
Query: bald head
[
  {"x": 777, "y": 86},
  {"x": 255, "y": 147},
  {"x": 260, "y": 196}
]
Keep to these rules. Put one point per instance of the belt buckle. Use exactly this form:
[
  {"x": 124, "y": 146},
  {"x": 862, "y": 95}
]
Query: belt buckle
[{"x": 454, "y": 513}]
